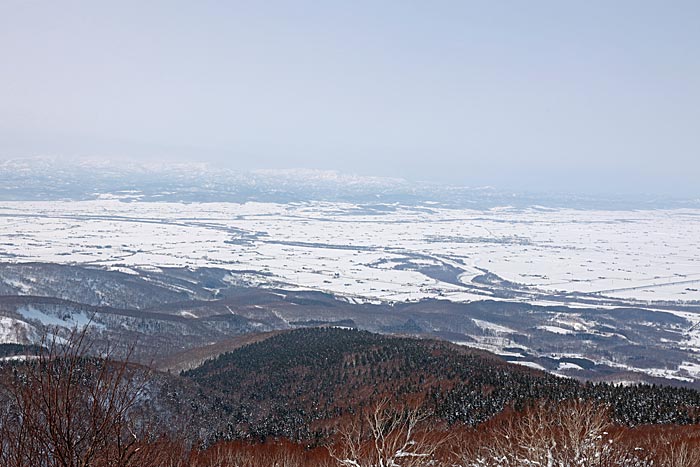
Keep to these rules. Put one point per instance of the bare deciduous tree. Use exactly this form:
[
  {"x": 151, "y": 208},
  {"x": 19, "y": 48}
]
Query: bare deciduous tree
[
  {"x": 562, "y": 435},
  {"x": 680, "y": 454},
  {"x": 386, "y": 437},
  {"x": 64, "y": 408}
]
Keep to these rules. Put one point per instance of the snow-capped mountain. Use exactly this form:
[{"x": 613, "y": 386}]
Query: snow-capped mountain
[{"x": 52, "y": 178}]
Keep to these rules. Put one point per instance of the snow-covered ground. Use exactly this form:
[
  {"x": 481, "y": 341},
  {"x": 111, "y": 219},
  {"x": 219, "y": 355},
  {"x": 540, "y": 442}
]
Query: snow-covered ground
[
  {"x": 13, "y": 331},
  {"x": 378, "y": 252}
]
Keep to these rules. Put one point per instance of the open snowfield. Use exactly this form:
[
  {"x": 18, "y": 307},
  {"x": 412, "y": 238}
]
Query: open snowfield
[{"x": 383, "y": 252}]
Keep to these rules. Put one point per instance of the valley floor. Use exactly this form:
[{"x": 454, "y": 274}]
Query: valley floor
[{"x": 376, "y": 252}]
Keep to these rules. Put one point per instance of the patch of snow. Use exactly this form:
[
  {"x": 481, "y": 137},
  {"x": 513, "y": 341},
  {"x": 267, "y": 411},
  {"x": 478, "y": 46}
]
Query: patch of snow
[
  {"x": 692, "y": 368},
  {"x": 124, "y": 270},
  {"x": 20, "y": 286},
  {"x": 568, "y": 366},
  {"x": 556, "y": 330},
  {"x": 68, "y": 320},
  {"x": 668, "y": 373},
  {"x": 492, "y": 327},
  {"x": 18, "y": 358},
  {"x": 534, "y": 365},
  {"x": 14, "y": 331}
]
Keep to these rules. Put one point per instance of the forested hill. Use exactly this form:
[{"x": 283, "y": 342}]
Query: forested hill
[{"x": 297, "y": 383}]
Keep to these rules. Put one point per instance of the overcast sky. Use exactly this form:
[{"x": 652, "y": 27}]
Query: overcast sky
[{"x": 585, "y": 96}]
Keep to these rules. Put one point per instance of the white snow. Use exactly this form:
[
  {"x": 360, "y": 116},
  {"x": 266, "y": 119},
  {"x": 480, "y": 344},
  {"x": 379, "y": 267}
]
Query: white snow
[
  {"x": 495, "y": 344},
  {"x": 692, "y": 368},
  {"x": 534, "y": 365},
  {"x": 492, "y": 327},
  {"x": 568, "y": 366},
  {"x": 22, "y": 287},
  {"x": 692, "y": 333},
  {"x": 556, "y": 329},
  {"x": 14, "y": 331},
  {"x": 18, "y": 358},
  {"x": 71, "y": 320},
  {"x": 336, "y": 247},
  {"x": 669, "y": 373}
]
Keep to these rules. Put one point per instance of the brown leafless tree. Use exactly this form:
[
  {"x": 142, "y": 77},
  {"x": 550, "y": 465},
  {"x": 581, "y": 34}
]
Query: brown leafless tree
[
  {"x": 64, "y": 408},
  {"x": 679, "y": 453},
  {"x": 387, "y": 437},
  {"x": 575, "y": 433}
]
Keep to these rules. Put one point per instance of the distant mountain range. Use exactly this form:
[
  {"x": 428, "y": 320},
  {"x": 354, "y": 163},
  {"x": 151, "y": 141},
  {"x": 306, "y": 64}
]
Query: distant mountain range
[{"x": 46, "y": 178}]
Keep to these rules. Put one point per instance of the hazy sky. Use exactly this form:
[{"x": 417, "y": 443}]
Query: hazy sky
[{"x": 547, "y": 95}]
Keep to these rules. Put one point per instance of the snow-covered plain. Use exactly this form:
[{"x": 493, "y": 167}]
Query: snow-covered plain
[{"x": 379, "y": 252}]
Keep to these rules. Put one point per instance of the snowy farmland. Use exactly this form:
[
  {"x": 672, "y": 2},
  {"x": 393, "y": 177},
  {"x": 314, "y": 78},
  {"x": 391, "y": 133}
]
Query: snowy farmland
[{"x": 374, "y": 252}]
